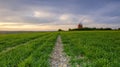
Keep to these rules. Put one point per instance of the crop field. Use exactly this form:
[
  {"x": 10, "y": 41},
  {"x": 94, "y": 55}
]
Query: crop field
[
  {"x": 92, "y": 49},
  {"x": 82, "y": 48},
  {"x": 26, "y": 49}
]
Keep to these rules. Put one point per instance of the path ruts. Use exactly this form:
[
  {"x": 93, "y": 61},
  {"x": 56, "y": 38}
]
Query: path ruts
[{"x": 58, "y": 58}]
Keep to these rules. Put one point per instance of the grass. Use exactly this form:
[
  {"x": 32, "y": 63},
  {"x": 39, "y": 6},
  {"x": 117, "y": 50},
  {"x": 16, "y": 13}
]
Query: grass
[
  {"x": 92, "y": 48},
  {"x": 85, "y": 48},
  {"x": 16, "y": 56},
  {"x": 12, "y": 40},
  {"x": 40, "y": 57}
]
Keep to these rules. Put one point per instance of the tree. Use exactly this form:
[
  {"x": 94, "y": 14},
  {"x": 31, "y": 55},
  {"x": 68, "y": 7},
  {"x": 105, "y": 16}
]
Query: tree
[
  {"x": 70, "y": 29},
  {"x": 60, "y": 30},
  {"x": 118, "y": 28}
]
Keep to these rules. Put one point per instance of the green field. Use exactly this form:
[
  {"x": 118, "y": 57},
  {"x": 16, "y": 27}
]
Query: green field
[
  {"x": 26, "y": 49},
  {"x": 93, "y": 49},
  {"x": 84, "y": 48}
]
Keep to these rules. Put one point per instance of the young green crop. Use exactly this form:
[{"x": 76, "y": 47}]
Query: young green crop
[
  {"x": 12, "y": 40},
  {"x": 40, "y": 57},
  {"x": 85, "y": 48},
  {"x": 17, "y": 55},
  {"x": 92, "y": 48}
]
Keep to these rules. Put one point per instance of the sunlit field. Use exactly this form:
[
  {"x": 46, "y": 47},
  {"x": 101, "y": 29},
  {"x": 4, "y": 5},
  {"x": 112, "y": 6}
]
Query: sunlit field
[{"x": 83, "y": 48}]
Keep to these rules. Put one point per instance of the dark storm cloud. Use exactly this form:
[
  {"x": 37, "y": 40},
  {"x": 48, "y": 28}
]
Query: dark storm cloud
[{"x": 99, "y": 11}]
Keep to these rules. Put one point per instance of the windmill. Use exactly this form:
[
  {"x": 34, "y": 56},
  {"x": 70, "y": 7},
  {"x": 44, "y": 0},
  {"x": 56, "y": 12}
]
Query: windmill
[{"x": 80, "y": 24}]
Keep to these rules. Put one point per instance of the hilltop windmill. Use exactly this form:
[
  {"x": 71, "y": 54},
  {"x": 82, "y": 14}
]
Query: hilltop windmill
[{"x": 80, "y": 24}]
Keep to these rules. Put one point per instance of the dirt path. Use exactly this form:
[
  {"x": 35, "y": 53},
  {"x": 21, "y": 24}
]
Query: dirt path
[{"x": 58, "y": 58}]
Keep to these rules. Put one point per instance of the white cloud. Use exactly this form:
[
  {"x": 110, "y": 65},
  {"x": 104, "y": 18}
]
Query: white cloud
[
  {"x": 42, "y": 14},
  {"x": 65, "y": 17}
]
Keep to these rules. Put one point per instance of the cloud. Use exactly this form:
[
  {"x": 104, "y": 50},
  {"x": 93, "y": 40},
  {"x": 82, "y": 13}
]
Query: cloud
[
  {"x": 62, "y": 13},
  {"x": 42, "y": 14},
  {"x": 64, "y": 17}
]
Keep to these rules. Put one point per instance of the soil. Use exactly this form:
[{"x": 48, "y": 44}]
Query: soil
[{"x": 58, "y": 58}]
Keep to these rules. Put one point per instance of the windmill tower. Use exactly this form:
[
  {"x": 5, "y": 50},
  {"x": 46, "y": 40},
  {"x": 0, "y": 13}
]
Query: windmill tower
[{"x": 80, "y": 26}]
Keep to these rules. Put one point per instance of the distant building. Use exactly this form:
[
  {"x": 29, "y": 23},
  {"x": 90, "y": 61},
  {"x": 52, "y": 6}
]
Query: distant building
[{"x": 80, "y": 26}]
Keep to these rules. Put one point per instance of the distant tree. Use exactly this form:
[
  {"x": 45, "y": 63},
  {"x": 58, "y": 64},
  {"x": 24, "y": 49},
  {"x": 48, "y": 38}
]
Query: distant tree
[
  {"x": 107, "y": 28},
  {"x": 101, "y": 29},
  {"x": 91, "y": 29},
  {"x": 94, "y": 28},
  {"x": 60, "y": 30},
  {"x": 69, "y": 29},
  {"x": 118, "y": 28}
]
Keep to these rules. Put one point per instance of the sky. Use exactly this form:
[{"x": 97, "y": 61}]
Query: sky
[{"x": 51, "y": 15}]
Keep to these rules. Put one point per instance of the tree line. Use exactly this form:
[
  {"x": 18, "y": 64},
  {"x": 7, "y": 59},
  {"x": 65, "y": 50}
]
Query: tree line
[{"x": 88, "y": 29}]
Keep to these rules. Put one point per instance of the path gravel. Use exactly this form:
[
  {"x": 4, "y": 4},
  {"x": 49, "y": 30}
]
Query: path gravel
[{"x": 58, "y": 58}]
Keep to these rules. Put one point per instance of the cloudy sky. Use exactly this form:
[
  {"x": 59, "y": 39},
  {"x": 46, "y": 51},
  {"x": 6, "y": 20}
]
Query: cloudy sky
[{"x": 49, "y": 15}]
